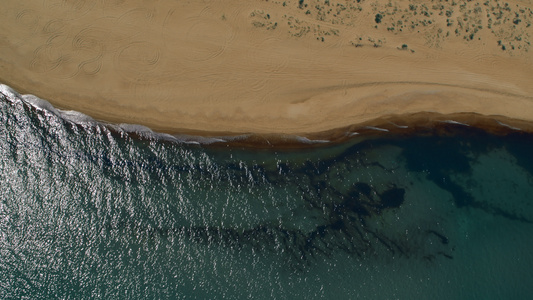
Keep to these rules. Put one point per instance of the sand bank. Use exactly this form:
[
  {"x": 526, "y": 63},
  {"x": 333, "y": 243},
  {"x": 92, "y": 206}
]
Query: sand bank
[{"x": 293, "y": 67}]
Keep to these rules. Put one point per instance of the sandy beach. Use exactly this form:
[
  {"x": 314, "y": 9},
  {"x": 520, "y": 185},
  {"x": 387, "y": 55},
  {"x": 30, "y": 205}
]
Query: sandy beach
[{"x": 292, "y": 67}]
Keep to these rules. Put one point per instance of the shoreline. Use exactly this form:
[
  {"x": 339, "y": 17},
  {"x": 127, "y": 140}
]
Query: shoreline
[
  {"x": 415, "y": 124},
  {"x": 299, "y": 68}
]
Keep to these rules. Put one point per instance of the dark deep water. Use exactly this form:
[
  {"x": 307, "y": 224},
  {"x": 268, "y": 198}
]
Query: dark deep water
[{"x": 92, "y": 211}]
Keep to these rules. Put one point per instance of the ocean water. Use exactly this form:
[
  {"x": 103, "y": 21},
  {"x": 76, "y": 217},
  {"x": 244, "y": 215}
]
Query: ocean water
[{"x": 100, "y": 211}]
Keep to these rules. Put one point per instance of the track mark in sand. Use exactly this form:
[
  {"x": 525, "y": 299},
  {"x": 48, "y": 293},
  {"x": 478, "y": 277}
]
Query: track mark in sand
[
  {"x": 208, "y": 39},
  {"x": 344, "y": 87},
  {"x": 269, "y": 57},
  {"x": 485, "y": 59},
  {"x": 258, "y": 85},
  {"x": 113, "y": 2},
  {"x": 45, "y": 59},
  {"x": 90, "y": 67},
  {"x": 28, "y": 18},
  {"x": 90, "y": 46},
  {"x": 169, "y": 15},
  {"x": 137, "y": 15},
  {"x": 49, "y": 56},
  {"x": 421, "y": 83},
  {"x": 56, "y": 40},
  {"x": 90, "y": 39},
  {"x": 264, "y": 62},
  {"x": 80, "y": 7},
  {"x": 278, "y": 62},
  {"x": 139, "y": 61},
  {"x": 54, "y": 26},
  {"x": 388, "y": 58}
]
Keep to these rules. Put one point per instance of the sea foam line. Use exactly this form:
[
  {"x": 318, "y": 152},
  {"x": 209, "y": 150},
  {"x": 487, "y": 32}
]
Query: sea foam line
[
  {"x": 454, "y": 122},
  {"x": 376, "y": 128},
  {"x": 508, "y": 126},
  {"x": 75, "y": 117}
]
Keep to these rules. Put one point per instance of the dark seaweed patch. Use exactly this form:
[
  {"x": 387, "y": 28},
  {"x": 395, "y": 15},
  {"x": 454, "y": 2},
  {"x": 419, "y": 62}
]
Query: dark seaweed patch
[
  {"x": 392, "y": 198},
  {"x": 442, "y": 156},
  {"x": 344, "y": 228},
  {"x": 520, "y": 145},
  {"x": 363, "y": 188}
]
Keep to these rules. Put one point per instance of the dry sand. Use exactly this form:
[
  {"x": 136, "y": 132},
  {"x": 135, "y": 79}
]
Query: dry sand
[{"x": 269, "y": 66}]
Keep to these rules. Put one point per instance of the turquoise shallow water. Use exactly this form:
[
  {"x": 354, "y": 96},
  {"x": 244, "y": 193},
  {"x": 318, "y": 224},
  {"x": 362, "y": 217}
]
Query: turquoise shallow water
[{"x": 92, "y": 211}]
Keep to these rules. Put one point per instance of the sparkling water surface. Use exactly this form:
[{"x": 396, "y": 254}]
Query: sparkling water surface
[{"x": 94, "y": 211}]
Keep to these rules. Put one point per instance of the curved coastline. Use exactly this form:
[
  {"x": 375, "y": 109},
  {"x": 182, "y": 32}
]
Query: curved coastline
[{"x": 420, "y": 123}]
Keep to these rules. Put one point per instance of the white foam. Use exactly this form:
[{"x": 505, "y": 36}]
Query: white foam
[
  {"x": 135, "y": 128},
  {"x": 40, "y": 104},
  {"x": 76, "y": 117},
  {"x": 399, "y": 126},
  {"x": 508, "y": 126},
  {"x": 309, "y": 141},
  {"x": 10, "y": 93},
  {"x": 193, "y": 139},
  {"x": 454, "y": 122},
  {"x": 376, "y": 128},
  {"x": 236, "y": 137}
]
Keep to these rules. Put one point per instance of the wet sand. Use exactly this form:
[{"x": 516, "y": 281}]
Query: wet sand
[{"x": 232, "y": 67}]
